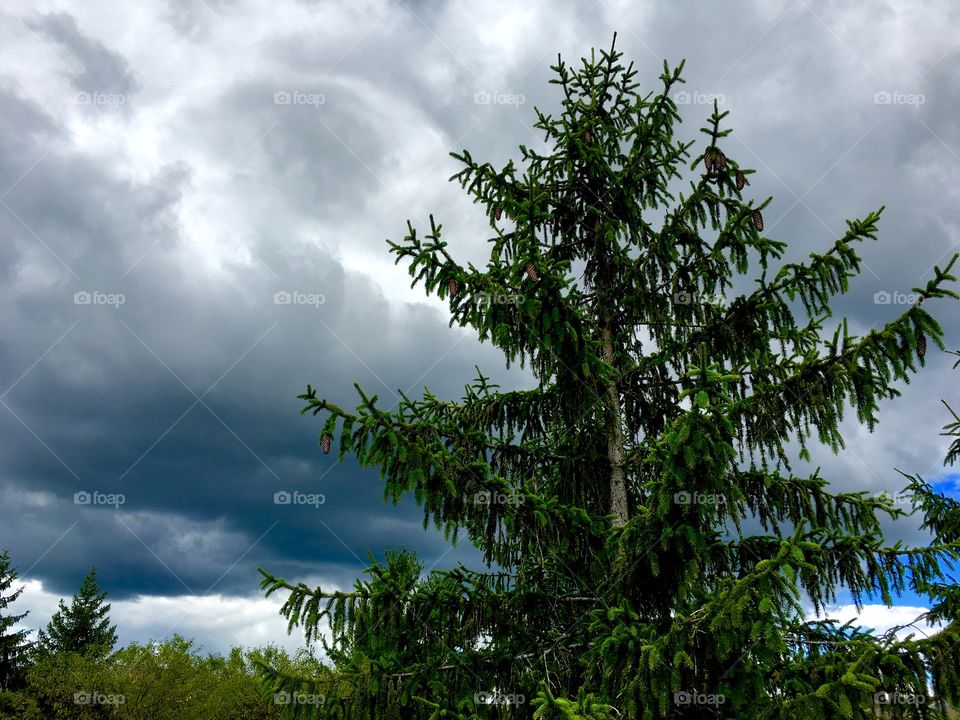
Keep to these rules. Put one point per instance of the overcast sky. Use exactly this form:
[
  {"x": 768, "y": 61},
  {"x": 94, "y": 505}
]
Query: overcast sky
[{"x": 168, "y": 166}]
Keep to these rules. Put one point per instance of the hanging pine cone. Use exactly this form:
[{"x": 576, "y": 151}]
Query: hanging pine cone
[
  {"x": 498, "y": 213},
  {"x": 708, "y": 161},
  {"x": 720, "y": 161},
  {"x": 325, "y": 443},
  {"x": 587, "y": 135},
  {"x": 741, "y": 180},
  {"x": 452, "y": 287},
  {"x": 531, "y": 270},
  {"x": 757, "y": 220},
  {"x": 921, "y": 345}
]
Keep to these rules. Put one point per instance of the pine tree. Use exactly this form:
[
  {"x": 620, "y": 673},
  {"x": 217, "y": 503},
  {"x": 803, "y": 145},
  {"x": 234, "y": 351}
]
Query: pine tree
[
  {"x": 648, "y": 545},
  {"x": 84, "y": 627},
  {"x": 14, "y": 647}
]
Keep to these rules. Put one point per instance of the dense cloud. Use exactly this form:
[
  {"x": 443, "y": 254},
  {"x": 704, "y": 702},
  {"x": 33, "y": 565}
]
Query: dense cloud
[{"x": 179, "y": 164}]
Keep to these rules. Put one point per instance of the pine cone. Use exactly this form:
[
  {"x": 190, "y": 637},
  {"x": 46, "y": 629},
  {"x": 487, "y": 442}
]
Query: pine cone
[
  {"x": 325, "y": 443},
  {"x": 531, "y": 270},
  {"x": 587, "y": 135},
  {"x": 498, "y": 213},
  {"x": 757, "y": 220},
  {"x": 452, "y": 287},
  {"x": 720, "y": 161},
  {"x": 708, "y": 161},
  {"x": 921, "y": 346},
  {"x": 741, "y": 180}
]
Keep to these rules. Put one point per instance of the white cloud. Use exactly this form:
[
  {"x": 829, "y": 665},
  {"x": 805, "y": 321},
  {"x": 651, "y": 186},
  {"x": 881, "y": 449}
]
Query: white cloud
[
  {"x": 882, "y": 618},
  {"x": 216, "y": 622}
]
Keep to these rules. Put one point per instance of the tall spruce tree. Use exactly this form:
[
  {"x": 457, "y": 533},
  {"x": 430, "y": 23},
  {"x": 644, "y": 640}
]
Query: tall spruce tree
[
  {"x": 84, "y": 627},
  {"x": 14, "y": 646},
  {"x": 649, "y": 548}
]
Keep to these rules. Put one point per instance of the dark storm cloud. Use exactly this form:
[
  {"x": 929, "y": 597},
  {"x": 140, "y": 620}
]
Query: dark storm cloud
[{"x": 104, "y": 409}]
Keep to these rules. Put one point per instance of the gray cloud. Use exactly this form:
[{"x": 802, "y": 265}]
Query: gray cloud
[{"x": 99, "y": 69}]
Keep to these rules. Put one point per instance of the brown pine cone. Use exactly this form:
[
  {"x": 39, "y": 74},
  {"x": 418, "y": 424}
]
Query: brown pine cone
[
  {"x": 531, "y": 270},
  {"x": 921, "y": 346},
  {"x": 741, "y": 180},
  {"x": 757, "y": 220},
  {"x": 325, "y": 443}
]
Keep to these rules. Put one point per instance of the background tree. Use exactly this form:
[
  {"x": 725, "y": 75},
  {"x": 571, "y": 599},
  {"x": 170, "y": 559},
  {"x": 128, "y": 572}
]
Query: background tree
[
  {"x": 168, "y": 680},
  {"x": 84, "y": 627},
  {"x": 14, "y": 647},
  {"x": 648, "y": 544}
]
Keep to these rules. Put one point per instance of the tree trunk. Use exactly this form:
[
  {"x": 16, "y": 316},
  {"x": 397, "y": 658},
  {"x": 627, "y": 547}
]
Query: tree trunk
[{"x": 618, "y": 481}]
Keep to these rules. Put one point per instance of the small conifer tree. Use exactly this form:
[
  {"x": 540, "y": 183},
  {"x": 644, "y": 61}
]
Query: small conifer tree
[{"x": 83, "y": 627}]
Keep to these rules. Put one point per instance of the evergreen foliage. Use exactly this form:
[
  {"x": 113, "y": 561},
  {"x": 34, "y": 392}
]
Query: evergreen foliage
[
  {"x": 84, "y": 627},
  {"x": 649, "y": 548},
  {"x": 14, "y": 647}
]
